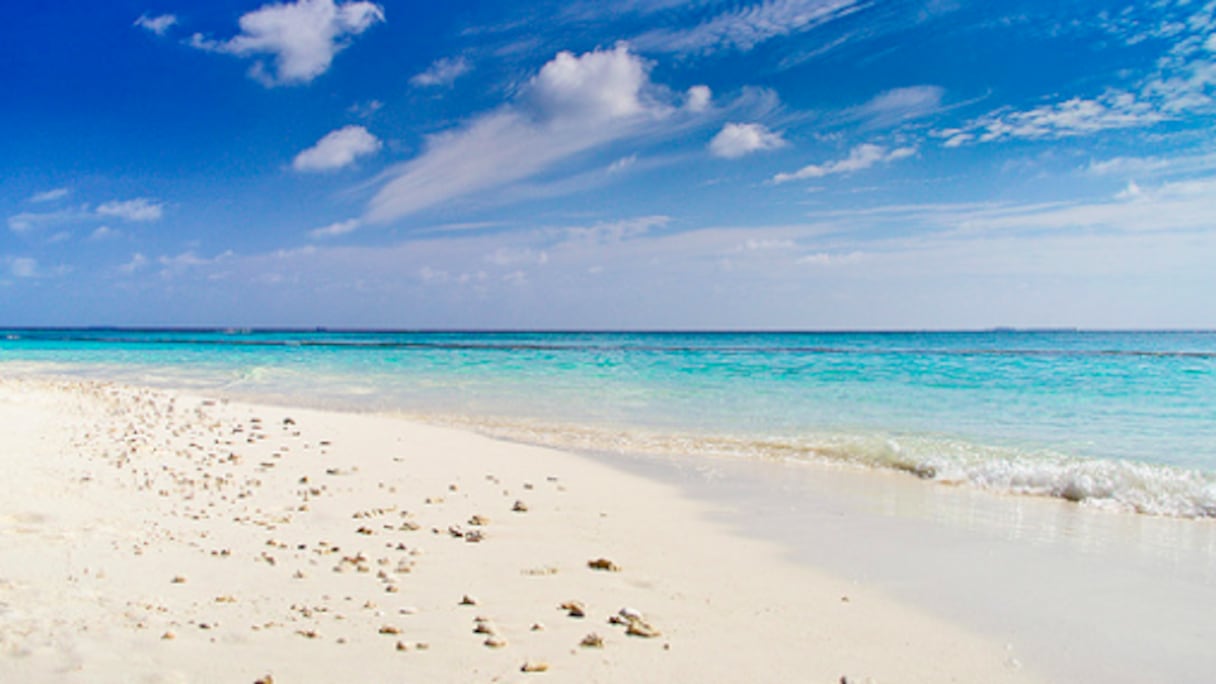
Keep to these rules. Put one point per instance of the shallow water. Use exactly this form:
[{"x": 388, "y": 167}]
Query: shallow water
[{"x": 1113, "y": 419}]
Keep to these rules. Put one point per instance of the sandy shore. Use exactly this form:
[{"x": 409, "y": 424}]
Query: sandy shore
[{"x": 156, "y": 537}]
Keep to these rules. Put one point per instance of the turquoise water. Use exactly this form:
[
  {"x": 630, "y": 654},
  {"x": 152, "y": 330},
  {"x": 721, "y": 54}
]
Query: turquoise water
[{"x": 1119, "y": 419}]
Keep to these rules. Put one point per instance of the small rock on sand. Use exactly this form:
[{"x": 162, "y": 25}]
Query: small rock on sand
[{"x": 603, "y": 564}]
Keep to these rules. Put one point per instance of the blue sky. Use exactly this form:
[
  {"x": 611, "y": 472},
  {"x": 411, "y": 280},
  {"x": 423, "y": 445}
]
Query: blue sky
[{"x": 787, "y": 164}]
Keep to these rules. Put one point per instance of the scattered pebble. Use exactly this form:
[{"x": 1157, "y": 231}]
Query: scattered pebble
[
  {"x": 592, "y": 640},
  {"x": 520, "y": 507},
  {"x": 603, "y": 564},
  {"x": 495, "y": 642},
  {"x": 467, "y": 600},
  {"x": 535, "y": 666}
]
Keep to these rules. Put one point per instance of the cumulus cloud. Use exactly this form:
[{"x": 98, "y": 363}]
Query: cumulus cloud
[
  {"x": 603, "y": 84},
  {"x": 138, "y": 209},
  {"x": 337, "y": 149},
  {"x": 442, "y": 72},
  {"x": 748, "y": 26},
  {"x": 50, "y": 195},
  {"x": 698, "y": 98},
  {"x": 860, "y": 158},
  {"x": 302, "y": 37},
  {"x": 738, "y": 139},
  {"x": 573, "y": 104},
  {"x": 334, "y": 229},
  {"x": 158, "y": 25}
]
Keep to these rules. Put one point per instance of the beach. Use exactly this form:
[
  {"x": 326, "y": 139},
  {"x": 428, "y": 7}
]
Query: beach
[{"x": 158, "y": 536}]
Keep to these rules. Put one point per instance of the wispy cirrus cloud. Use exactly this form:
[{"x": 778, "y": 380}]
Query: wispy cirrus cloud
[
  {"x": 898, "y": 105},
  {"x": 1073, "y": 117},
  {"x": 337, "y": 149},
  {"x": 301, "y": 37},
  {"x": 746, "y": 27},
  {"x": 442, "y": 72},
  {"x": 860, "y": 158},
  {"x": 575, "y": 103},
  {"x": 333, "y": 230},
  {"x": 1180, "y": 83},
  {"x": 49, "y": 195},
  {"x": 138, "y": 209}
]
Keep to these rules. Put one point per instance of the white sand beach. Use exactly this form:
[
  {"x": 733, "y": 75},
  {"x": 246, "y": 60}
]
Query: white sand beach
[{"x": 158, "y": 537}]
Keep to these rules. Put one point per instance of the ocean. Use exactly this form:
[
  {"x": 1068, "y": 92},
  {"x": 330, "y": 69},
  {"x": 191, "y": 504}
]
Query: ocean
[{"x": 1122, "y": 420}]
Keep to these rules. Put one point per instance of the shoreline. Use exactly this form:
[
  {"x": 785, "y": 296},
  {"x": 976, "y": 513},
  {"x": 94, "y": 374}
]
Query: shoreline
[
  {"x": 1140, "y": 487},
  {"x": 130, "y": 522}
]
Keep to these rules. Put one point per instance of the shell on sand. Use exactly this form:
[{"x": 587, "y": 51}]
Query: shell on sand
[
  {"x": 592, "y": 640},
  {"x": 495, "y": 642},
  {"x": 467, "y": 600},
  {"x": 535, "y": 666},
  {"x": 575, "y": 608},
  {"x": 641, "y": 628}
]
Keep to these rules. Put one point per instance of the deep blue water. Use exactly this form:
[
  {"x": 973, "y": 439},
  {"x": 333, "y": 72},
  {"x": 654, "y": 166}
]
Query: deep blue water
[{"x": 1126, "y": 419}]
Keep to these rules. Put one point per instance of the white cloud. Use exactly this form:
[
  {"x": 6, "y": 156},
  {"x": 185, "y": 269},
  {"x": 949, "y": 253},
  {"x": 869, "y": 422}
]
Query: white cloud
[
  {"x": 1077, "y": 116},
  {"x": 137, "y": 262},
  {"x": 337, "y": 149},
  {"x": 50, "y": 195},
  {"x": 104, "y": 233},
  {"x": 738, "y": 139},
  {"x": 365, "y": 110},
  {"x": 302, "y": 37},
  {"x": 158, "y": 25},
  {"x": 574, "y": 104},
  {"x": 335, "y": 229},
  {"x": 698, "y": 98},
  {"x": 1177, "y": 206},
  {"x": 860, "y": 158},
  {"x": 622, "y": 164},
  {"x": 1180, "y": 82},
  {"x": 748, "y": 26},
  {"x": 603, "y": 84},
  {"x": 902, "y": 104},
  {"x": 26, "y": 222},
  {"x": 1150, "y": 166},
  {"x": 139, "y": 209},
  {"x": 23, "y": 267},
  {"x": 1180, "y": 205},
  {"x": 442, "y": 72}
]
